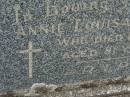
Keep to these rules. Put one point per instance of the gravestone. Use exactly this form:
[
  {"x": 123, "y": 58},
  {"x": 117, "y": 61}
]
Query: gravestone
[{"x": 63, "y": 41}]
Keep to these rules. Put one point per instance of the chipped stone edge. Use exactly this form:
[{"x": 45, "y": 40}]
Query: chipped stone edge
[{"x": 116, "y": 86}]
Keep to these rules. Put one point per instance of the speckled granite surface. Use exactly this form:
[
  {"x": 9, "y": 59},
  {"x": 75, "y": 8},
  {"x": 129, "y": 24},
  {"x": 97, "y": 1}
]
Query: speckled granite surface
[{"x": 63, "y": 41}]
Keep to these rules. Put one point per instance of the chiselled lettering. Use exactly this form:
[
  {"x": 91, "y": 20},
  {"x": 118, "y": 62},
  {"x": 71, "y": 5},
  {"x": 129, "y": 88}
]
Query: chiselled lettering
[
  {"x": 83, "y": 40},
  {"x": 17, "y": 9},
  {"x": 85, "y": 53},
  {"x": 28, "y": 16},
  {"x": 20, "y": 30},
  {"x": 98, "y": 38},
  {"x": 88, "y": 69}
]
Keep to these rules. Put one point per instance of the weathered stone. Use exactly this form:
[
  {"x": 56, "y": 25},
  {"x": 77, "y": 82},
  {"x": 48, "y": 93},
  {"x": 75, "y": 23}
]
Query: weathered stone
[
  {"x": 63, "y": 42},
  {"x": 119, "y": 87}
]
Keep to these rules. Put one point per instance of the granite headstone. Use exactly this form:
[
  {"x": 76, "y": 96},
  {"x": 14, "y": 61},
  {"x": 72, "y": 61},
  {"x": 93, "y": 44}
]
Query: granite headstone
[{"x": 63, "y": 41}]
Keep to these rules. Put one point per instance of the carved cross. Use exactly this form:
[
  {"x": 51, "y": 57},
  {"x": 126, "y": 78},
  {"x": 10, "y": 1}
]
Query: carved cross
[{"x": 30, "y": 52}]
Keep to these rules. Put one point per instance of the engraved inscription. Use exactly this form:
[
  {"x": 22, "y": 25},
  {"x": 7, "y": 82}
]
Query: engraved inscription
[
  {"x": 82, "y": 26},
  {"x": 97, "y": 6},
  {"x": 65, "y": 41},
  {"x": 82, "y": 38},
  {"x": 17, "y": 9}
]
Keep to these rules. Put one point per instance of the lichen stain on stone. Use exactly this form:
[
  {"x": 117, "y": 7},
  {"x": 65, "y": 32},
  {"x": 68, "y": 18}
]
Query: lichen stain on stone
[
  {"x": 88, "y": 85},
  {"x": 124, "y": 79},
  {"x": 105, "y": 87},
  {"x": 7, "y": 94},
  {"x": 59, "y": 89},
  {"x": 40, "y": 89}
]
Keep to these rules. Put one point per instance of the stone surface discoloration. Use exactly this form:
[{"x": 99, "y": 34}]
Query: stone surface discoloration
[
  {"x": 63, "y": 42},
  {"x": 118, "y": 87}
]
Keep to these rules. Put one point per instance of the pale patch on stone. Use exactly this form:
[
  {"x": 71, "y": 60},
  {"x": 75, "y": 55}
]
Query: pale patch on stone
[{"x": 35, "y": 89}]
